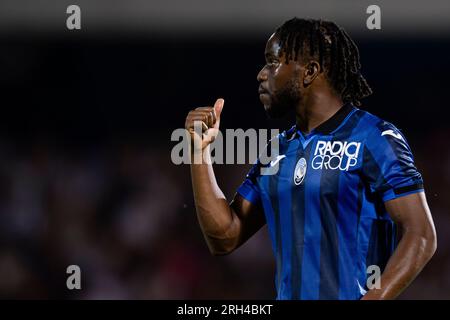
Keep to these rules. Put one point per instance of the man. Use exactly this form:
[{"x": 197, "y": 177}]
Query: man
[{"x": 345, "y": 185}]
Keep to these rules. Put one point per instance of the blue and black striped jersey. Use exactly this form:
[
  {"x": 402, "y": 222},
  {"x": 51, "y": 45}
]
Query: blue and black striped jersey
[{"x": 324, "y": 207}]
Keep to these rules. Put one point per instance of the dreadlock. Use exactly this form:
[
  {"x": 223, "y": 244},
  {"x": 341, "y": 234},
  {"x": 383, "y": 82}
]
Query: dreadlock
[{"x": 333, "y": 48}]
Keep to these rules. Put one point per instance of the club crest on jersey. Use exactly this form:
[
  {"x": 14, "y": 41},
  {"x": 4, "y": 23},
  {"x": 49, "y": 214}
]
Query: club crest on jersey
[
  {"x": 335, "y": 155},
  {"x": 300, "y": 171}
]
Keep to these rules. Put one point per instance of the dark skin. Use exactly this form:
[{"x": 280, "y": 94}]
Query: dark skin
[{"x": 227, "y": 226}]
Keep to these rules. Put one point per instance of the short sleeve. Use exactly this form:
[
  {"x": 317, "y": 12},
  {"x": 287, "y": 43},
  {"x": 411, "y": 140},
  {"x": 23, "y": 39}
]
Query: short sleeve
[
  {"x": 249, "y": 189},
  {"x": 389, "y": 163}
]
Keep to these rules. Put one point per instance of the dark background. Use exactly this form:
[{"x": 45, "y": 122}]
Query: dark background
[{"x": 86, "y": 176}]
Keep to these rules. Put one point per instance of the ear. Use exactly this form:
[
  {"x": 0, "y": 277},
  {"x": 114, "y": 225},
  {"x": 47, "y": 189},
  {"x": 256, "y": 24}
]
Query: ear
[{"x": 311, "y": 71}]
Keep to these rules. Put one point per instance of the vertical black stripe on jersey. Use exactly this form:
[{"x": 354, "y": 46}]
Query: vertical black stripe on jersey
[
  {"x": 329, "y": 273},
  {"x": 359, "y": 206},
  {"x": 377, "y": 253},
  {"x": 360, "y": 198},
  {"x": 329, "y": 193},
  {"x": 371, "y": 170},
  {"x": 297, "y": 225},
  {"x": 380, "y": 243},
  {"x": 273, "y": 191}
]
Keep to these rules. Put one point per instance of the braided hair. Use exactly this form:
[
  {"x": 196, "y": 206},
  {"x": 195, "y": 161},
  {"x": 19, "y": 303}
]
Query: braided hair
[{"x": 333, "y": 48}]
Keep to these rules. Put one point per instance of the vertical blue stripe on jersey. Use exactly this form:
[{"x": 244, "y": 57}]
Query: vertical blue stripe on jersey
[
  {"x": 284, "y": 196},
  {"x": 273, "y": 194},
  {"x": 297, "y": 225},
  {"x": 347, "y": 221},
  {"x": 330, "y": 242},
  {"x": 269, "y": 212},
  {"x": 360, "y": 263},
  {"x": 310, "y": 276},
  {"x": 329, "y": 266},
  {"x": 347, "y": 225},
  {"x": 364, "y": 229},
  {"x": 297, "y": 213},
  {"x": 366, "y": 225}
]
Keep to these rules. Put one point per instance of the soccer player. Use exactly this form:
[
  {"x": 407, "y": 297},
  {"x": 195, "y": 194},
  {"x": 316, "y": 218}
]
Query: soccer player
[{"x": 347, "y": 197}]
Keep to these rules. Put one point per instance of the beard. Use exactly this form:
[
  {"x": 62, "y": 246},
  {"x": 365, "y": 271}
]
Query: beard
[{"x": 285, "y": 99}]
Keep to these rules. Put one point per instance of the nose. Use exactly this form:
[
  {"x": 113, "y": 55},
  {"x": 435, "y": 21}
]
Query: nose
[{"x": 262, "y": 75}]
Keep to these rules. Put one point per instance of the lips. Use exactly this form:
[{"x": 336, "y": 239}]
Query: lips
[
  {"x": 262, "y": 90},
  {"x": 264, "y": 95}
]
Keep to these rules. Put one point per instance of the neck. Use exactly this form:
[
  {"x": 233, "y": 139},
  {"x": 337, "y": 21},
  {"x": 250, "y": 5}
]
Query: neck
[{"x": 316, "y": 109}]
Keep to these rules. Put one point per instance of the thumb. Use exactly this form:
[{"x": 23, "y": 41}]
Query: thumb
[{"x": 218, "y": 106}]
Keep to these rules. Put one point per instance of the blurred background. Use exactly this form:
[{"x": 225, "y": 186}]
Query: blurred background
[{"x": 86, "y": 176}]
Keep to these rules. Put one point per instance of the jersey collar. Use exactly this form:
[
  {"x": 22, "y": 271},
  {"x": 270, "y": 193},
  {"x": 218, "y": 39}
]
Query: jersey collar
[
  {"x": 335, "y": 121},
  {"x": 329, "y": 125}
]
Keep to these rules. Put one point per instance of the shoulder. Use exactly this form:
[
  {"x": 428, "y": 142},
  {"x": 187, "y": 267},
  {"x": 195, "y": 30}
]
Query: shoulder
[
  {"x": 376, "y": 126},
  {"x": 383, "y": 138}
]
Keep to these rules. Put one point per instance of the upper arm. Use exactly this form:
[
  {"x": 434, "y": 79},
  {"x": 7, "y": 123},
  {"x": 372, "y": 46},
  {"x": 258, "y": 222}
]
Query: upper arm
[
  {"x": 412, "y": 214},
  {"x": 247, "y": 206},
  {"x": 250, "y": 218},
  {"x": 417, "y": 245}
]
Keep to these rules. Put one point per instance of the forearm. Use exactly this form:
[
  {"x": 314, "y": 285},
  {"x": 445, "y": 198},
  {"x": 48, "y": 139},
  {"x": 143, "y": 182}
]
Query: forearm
[
  {"x": 412, "y": 254},
  {"x": 216, "y": 218}
]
